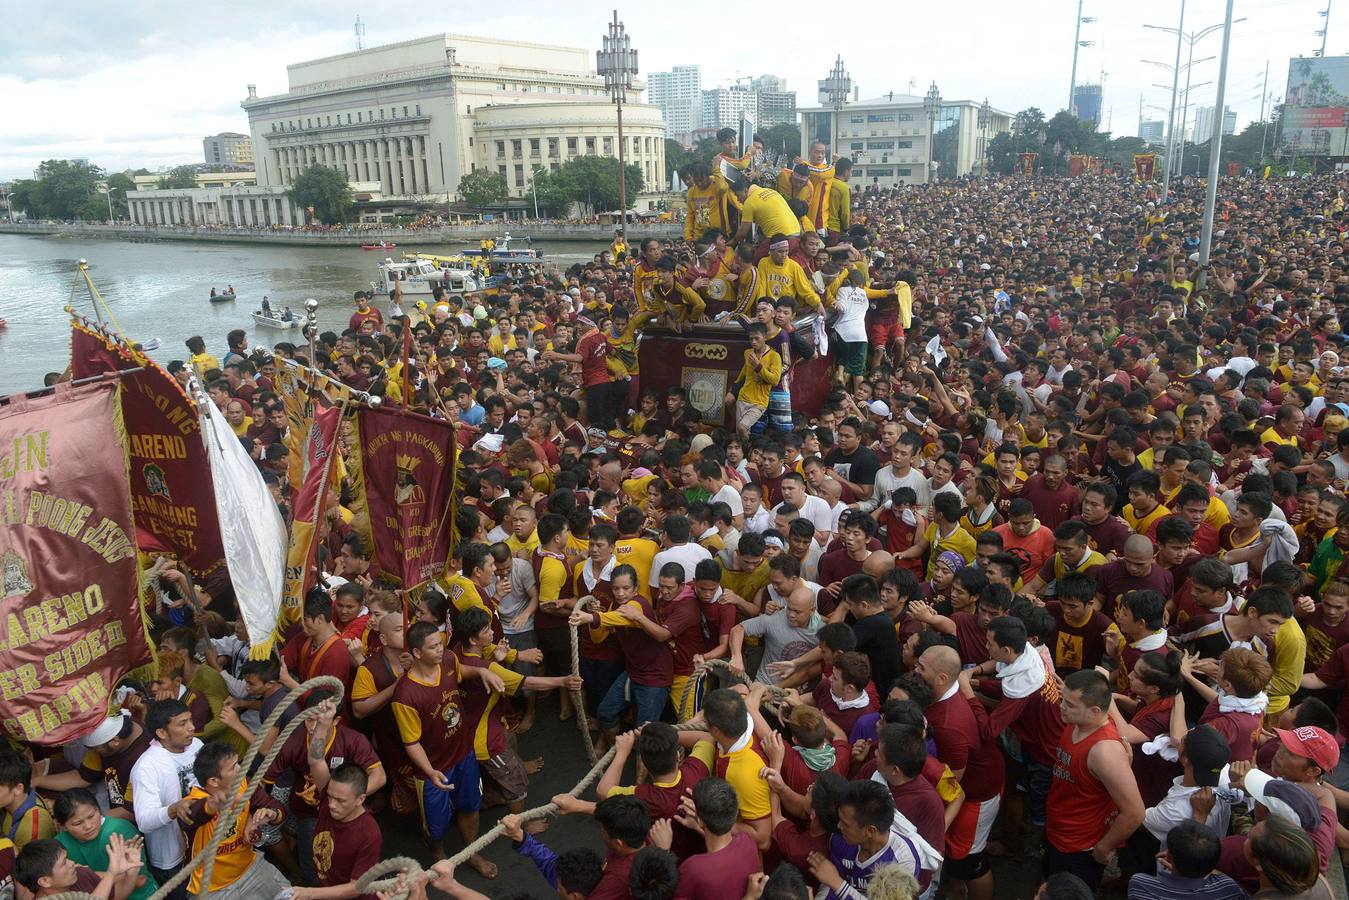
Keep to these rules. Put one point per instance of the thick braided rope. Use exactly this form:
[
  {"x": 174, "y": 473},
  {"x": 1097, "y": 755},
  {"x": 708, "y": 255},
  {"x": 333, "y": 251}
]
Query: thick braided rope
[
  {"x": 578, "y": 696},
  {"x": 231, "y": 812},
  {"x": 374, "y": 880},
  {"x": 724, "y": 667},
  {"x": 239, "y": 798}
]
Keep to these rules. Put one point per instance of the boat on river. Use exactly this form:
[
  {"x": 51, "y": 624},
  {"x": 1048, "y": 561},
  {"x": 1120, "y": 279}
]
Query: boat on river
[
  {"x": 270, "y": 318},
  {"x": 418, "y": 277},
  {"x": 380, "y": 246},
  {"x": 223, "y": 297}
]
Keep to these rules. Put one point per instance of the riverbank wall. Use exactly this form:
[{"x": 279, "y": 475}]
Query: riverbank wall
[{"x": 448, "y": 234}]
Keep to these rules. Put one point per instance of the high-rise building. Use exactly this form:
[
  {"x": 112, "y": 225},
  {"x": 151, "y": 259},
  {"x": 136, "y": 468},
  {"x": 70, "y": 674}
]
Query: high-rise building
[
  {"x": 1152, "y": 132},
  {"x": 228, "y": 148},
  {"x": 679, "y": 94},
  {"x": 724, "y": 107},
  {"x": 1203, "y": 123},
  {"x": 777, "y": 105},
  {"x": 1087, "y": 102}
]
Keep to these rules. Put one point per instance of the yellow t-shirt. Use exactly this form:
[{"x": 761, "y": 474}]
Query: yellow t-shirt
[
  {"x": 742, "y": 771},
  {"x": 958, "y": 540},
  {"x": 1271, "y": 436},
  {"x": 757, "y": 382},
  {"x": 518, "y": 545},
  {"x": 769, "y": 212},
  {"x": 638, "y": 553},
  {"x": 788, "y": 279},
  {"x": 1141, "y": 524}
]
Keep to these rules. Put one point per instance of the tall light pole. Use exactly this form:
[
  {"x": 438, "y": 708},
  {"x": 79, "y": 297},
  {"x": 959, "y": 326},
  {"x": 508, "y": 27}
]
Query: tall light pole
[
  {"x": 617, "y": 63},
  {"x": 1077, "y": 43},
  {"x": 985, "y": 114},
  {"x": 837, "y": 87},
  {"x": 1191, "y": 38},
  {"x": 1171, "y": 117},
  {"x": 1211, "y": 195},
  {"x": 533, "y": 177},
  {"x": 932, "y": 106}
]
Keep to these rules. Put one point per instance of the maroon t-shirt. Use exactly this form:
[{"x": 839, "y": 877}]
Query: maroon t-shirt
[
  {"x": 346, "y": 746},
  {"x": 1108, "y": 535},
  {"x": 843, "y": 718},
  {"x": 1322, "y": 639},
  {"x": 972, "y": 638},
  {"x": 799, "y": 776},
  {"x": 722, "y": 875},
  {"x": 1114, "y": 581},
  {"x": 959, "y": 746},
  {"x": 1052, "y": 507},
  {"x": 1153, "y": 774},
  {"x": 344, "y": 851},
  {"x": 613, "y": 885},
  {"x": 1240, "y": 729}
]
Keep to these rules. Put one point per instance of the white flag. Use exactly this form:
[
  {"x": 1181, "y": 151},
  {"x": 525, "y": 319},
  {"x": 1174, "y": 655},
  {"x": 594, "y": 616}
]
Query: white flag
[{"x": 251, "y": 530}]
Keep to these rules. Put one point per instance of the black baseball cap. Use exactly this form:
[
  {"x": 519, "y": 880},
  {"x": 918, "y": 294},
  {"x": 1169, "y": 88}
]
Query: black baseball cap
[{"x": 1208, "y": 752}]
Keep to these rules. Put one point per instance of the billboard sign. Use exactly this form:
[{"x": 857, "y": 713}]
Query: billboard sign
[{"x": 1316, "y": 105}]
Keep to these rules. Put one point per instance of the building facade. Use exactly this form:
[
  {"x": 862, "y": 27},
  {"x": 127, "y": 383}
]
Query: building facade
[
  {"x": 1087, "y": 102},
  {"x": 1152, "y": 132},
  {"x": 404, "y": 115},
  {"x": 228, "y": 148},
  {"x": 1203, "y": 123},
  {"x": 679, "y": 96},
  {"x": 889, "y": 138},
  {"x": 725, "y": 107},
  {"x": 517, "y": 139}
]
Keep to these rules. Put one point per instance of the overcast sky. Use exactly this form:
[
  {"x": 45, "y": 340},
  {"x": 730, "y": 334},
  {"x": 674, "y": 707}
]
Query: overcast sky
[{"x": 139, "y": 83}]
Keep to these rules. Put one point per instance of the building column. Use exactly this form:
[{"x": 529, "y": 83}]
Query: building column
[{"x": 411, "y": 158}]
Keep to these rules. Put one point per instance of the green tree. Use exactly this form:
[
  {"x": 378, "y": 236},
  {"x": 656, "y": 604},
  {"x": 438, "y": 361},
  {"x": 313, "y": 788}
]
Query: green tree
[
  {"x": 481, "y": 188},
  {"x": 782, "y": 141},
  {"x": 593, "y": 180},
  {"x": 59, "y": 189},
  {"x": 554, "y": 193},
  {"x": 326, "y": 190},
  {"x": 179, "y": 178}
]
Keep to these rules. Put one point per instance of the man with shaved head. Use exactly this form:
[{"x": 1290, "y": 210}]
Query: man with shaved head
[
  {"x": 976, "y": 763},
  {"x": 1136, "y": 570}
]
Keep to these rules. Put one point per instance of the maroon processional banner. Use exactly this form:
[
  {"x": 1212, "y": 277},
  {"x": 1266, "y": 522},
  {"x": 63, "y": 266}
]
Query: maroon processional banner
[{"x": 70, "y": 614}]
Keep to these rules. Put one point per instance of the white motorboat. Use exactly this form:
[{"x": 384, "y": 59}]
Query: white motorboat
[
  {"x": 268, "y": 318},
  {"x": 418, "y": 276}
]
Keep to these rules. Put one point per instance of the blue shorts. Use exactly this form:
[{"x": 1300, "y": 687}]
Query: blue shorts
[{"x": 437, "y": 806}]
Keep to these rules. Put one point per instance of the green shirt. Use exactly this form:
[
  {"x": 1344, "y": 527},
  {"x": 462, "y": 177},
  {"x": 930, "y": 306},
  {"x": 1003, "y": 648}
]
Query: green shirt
[{"x": 94, "y": 854}]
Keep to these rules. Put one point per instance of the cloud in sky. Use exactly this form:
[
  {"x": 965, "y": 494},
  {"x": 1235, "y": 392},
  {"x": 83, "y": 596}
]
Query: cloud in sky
[{"x": 139, "y": 83}]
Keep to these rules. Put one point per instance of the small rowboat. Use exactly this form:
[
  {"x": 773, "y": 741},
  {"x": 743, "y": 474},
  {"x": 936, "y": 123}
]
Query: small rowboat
[
  {"x": 379, "y": 246},
  {"x": 221, "y": 298}
]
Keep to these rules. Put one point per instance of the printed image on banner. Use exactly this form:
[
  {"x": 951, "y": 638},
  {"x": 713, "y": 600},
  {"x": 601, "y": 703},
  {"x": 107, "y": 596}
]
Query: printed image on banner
[
  {"x": 1316, "y": 106},
  {"x": 170, "y": 478},
  {"x": 408, "y": 461},
  {"x": 308, "y": 507},
  {"x": 69, "y": 603}
]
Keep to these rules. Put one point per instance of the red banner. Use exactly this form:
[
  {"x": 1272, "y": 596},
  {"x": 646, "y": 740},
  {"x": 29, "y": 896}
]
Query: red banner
[
  {"x": 69, "y": 595},
  {"x": 307, "y": 508},
  {"x": 1077, "y": 164},
  {"x": 408, "y": 461},
  {"x": 1234, "y": 169},
  {"x": 1026, "y": 162},
  {"x": 171, "y": 491},
  {"x": 1144, "y": 165}
]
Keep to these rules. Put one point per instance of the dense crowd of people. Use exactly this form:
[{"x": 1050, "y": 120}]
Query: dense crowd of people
[{"x": 1052, "y": 573}]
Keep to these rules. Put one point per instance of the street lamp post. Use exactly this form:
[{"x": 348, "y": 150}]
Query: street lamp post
[
  {"x": 985, "y": 114},
  {"x": 837, "y": 87},
  {"x": 932, "y": 106},
  {"x": 617, "y": 63},
  {"x": 1215, "y": 151},
  {"x": 533, "y": 177}
]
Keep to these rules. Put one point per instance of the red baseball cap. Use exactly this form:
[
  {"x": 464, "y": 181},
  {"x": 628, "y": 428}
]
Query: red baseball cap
[{"x": 1314, "y": 743}]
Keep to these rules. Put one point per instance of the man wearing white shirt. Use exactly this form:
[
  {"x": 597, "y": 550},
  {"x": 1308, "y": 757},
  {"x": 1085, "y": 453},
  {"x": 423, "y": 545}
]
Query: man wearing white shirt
[
  {"x": 1058, "y": 364},
  {"x": 757, "y": 516},
  {"x": 812, "y": 508},
  {"x": 904, "y": 449},
  {"x": 677, "y": 550},
  {"x": 160, "y": 781},
  {"x": 712, "y": 478}
]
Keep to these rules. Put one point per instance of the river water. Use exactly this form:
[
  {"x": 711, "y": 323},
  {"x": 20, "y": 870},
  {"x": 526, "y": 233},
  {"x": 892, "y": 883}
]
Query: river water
[{"x": 159, "y": 290}]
